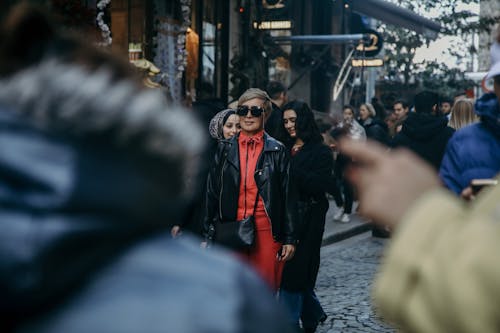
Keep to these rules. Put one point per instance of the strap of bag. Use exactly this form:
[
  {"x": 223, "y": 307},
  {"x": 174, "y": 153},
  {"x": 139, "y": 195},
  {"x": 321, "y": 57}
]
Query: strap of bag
[{"x": 256, "y": 201}]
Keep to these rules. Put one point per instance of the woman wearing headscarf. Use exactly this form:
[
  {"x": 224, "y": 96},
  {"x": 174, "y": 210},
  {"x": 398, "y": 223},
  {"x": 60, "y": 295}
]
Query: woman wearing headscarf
[
  {"x": 250, "y": 177},
  {"x": 311, "y": 168},
  {"x": 223, "y": 126}
]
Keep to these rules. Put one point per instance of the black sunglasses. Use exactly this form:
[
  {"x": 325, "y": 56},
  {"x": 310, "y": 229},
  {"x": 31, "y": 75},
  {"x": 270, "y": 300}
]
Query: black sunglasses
[{"x": 256, "y": 111}]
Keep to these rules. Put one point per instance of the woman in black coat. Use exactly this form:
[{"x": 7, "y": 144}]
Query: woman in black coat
[
  {"x": 311, "y": 173},
  {"x": 374, "y": 128}
]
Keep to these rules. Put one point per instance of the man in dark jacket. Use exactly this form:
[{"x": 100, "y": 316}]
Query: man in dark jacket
[
  {"x": 279, "y": 97},
  {"x": 94, "y": 171},
  {"x": 424, "y": 131}
]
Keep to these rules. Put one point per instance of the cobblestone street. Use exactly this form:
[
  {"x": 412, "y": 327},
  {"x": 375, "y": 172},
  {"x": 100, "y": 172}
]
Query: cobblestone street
[{"x": 344, "y": 282}]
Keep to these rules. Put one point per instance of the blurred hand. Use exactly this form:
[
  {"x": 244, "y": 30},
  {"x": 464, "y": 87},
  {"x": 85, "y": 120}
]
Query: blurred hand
[
  {"x": 175, "y": 231},
  {"x": 388, "y": 182},
  {"x": 287, "y": 252},
  {"x": 204, "y": 245}
]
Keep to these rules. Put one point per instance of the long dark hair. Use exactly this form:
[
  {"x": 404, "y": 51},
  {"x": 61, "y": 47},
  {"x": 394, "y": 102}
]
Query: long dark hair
[{"x": 305, "y": 125}]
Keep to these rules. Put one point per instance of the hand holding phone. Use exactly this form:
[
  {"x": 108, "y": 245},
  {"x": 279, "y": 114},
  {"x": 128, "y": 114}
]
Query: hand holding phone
[{"x": 479, "y": 184}]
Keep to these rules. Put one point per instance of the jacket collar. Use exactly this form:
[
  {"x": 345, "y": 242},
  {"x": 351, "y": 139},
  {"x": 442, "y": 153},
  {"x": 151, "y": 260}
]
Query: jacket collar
[{"x": 270, "y": 144}]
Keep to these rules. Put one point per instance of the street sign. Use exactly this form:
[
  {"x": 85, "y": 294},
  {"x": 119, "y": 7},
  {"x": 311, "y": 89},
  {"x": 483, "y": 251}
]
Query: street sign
[
  {"x": 377, "y": 62},
  {"x": 371, "y": 46},
  {"x": 273, "y": 25}
]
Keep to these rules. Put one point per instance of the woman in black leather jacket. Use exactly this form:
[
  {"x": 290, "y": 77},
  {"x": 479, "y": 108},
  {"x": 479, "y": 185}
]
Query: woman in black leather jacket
[{"x": 254, "y": 165}]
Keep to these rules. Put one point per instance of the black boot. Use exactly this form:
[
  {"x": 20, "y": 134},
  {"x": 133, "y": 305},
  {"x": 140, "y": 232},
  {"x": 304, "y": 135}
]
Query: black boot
[{"x": 309, "y": 329}]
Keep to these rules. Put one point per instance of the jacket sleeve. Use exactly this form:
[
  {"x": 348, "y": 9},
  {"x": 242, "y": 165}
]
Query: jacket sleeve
[
  {"x": 441, "y": 272},
  {"x": 318, "y": 179},
  {"x": 451, "y": 169},
  {"x": 213, "y": 188},
  {"x": 290, "y": 195}
]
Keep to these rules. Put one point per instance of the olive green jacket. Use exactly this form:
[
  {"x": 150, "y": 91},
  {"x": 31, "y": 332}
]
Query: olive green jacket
[{"x": 441, "y": 272}]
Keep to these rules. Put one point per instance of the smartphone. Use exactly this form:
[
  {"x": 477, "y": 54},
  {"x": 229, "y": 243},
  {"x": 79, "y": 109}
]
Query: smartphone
[{"x": 478, "y": 184}]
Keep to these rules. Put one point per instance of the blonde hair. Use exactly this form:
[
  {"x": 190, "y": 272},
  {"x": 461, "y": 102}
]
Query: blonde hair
[
  {"x": 252, "y": 93},
  {"x": 370, "y": 109},
  {"x": 462, "y": 114}
]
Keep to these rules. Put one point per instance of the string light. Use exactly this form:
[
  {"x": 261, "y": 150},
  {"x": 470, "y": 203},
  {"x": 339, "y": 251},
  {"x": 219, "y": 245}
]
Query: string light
[{"x": 105, "y": 31}]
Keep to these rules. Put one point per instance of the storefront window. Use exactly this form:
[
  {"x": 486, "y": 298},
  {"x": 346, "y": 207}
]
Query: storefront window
[
  {"x": 279, "y": 67},
  {"x": 213, "y": 28}
]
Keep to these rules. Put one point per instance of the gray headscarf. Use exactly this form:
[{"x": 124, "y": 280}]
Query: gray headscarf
[{"x": 217, "y": 123}]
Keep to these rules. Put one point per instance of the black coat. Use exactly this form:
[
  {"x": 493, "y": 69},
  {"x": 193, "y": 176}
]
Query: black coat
[
  {"x": 274, "y": 122},
  {"x": 272, "y": 179},
  {"x": 311, "y": 174},
  {"x": 426, "y": 135},
  {"x": 376, "y": 130}
]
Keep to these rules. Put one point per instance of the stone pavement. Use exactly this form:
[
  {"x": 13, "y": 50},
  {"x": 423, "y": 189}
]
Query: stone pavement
[
  {"x": 336, "y": 231},
  {"x": 344, "y": 285}
]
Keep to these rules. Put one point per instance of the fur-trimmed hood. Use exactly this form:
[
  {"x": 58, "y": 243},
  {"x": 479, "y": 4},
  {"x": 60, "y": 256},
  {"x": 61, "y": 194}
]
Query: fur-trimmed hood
[
  {"x": 88, "y": 164},
  {"x": 63, "y": 98}
]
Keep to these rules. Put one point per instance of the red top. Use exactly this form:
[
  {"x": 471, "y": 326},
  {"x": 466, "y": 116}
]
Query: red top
[{"x": 250, "y": 149}]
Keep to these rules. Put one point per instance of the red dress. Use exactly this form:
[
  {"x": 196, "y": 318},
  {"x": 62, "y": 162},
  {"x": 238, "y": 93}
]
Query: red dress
[{"x": 263, "y": 257}]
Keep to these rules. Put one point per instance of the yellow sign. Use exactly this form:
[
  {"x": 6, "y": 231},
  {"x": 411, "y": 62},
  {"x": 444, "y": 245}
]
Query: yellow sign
[
  {"x": 272, "y": 25},
  {"x": 367, "y": 62}
]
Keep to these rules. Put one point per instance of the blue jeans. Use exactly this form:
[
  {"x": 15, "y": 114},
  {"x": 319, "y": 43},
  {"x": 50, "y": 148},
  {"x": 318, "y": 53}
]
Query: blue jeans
[{"x": 303, "y": 306}]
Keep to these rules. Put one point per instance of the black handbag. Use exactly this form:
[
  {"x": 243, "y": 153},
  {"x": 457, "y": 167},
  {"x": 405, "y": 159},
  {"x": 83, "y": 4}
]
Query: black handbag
[{"x": 236, "y": 235}]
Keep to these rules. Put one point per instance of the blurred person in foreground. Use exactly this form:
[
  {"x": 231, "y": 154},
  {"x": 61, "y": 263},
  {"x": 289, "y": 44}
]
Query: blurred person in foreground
[
  {"x": 440, "y": 272},
  {"x": 474, "y": 151},
  {"x": 93, "y": 172}
]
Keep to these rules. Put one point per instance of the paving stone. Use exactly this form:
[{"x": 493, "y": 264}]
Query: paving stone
[{"x": 344, "y": 286}]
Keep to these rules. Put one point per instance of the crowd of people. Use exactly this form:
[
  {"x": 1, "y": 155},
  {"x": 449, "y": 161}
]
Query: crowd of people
[{"x": 96, "y": 169}]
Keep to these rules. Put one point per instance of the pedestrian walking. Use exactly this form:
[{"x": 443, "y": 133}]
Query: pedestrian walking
[
  {"x": 473, "y": 151},
  {"x": 374, "y": 128},
  {"x": 425, "y": 131},
  {"x": 279, "y": 96},
  {"x": 223, "y": 126},
  {"x": 462, "y": 114},
  {"x": 250, "y": 177},
  {"x": 349, "y": 128},
  {"x": 311, "y": 170}
]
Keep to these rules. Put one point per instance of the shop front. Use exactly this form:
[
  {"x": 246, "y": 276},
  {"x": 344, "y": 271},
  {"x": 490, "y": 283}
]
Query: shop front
[{"x": 186, "y": 39}]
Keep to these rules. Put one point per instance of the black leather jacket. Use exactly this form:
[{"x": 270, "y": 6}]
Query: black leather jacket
[{"x": 272, "y": 179}]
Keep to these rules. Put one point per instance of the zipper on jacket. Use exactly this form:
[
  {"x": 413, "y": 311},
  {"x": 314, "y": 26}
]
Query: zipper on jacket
[
  {"x": 258, "y": 191},
  {"x": 245, "y": 185},
  {"x": 222, "y": 185}
]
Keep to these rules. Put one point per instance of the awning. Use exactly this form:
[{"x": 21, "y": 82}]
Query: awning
[{"x": 395, "y": 15}]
